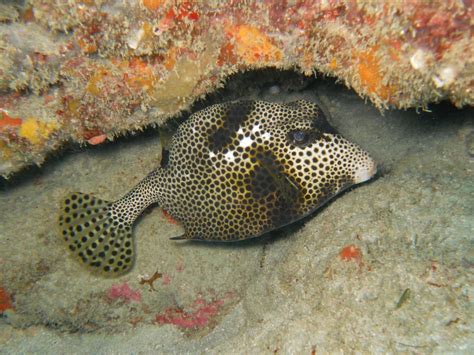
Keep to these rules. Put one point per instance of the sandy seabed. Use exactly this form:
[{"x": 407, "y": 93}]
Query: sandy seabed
[{"x": 410, "y": 290}]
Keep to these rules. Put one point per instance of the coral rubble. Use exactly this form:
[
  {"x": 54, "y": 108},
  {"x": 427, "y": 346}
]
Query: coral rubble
[{"x": 87, "y": 70}]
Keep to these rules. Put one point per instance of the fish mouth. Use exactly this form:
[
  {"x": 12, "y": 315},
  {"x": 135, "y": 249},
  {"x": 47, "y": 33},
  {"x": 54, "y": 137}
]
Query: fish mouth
[{"x": 365, "y": 172}]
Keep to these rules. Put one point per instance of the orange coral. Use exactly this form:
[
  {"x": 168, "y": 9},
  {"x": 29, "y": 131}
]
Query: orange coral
[
  {"x": 5, "y": 300},
  {"x": 307, "y": 62},
  {"x": 87, "y": 45},
  {"x": 185, "y": 10},
  {"x": 170, "y": 58},
  {"x": 28, "y": 15},
  {"x": 139, "y": 75},
  {"x": 253, "y": 46},
  {"x": 370, "y": 74},
  {"x": 226, "y": 55},
  {"x": 168, "y": 217},
  {"x": 8, "y": 121},
  {"x": 152, "y": 4},
  {"x": 350, "y": 253}
]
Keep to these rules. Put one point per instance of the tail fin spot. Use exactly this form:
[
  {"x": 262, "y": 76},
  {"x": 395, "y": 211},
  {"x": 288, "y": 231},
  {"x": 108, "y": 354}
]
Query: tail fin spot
[{"x": 95, "y": 235}]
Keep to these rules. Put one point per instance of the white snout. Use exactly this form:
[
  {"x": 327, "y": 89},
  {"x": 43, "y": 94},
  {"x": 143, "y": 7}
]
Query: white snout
[{"x": 365, "y": 171}]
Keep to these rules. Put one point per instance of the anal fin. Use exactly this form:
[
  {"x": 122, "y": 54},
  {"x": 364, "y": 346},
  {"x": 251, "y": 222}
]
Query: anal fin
[{"x": 181, "y": 237}]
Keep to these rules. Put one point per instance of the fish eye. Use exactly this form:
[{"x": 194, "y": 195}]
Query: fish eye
[{"x": 299, "y": 138}]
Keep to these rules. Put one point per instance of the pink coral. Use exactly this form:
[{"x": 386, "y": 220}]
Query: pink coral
[
  {"x": 166, "y": 279},
  {"x": 199, "y": 316},
  {"x": 97, "y": 139},
  {"x": 123, "y": 292}
]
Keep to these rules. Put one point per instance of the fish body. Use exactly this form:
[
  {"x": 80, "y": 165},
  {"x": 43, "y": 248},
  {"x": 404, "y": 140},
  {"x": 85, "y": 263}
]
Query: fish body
[{"x": 235, "y": 171}]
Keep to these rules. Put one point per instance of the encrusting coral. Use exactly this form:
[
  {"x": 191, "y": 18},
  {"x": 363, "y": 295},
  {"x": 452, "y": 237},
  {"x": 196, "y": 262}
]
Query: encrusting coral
[{"x": 78, "y": 70}]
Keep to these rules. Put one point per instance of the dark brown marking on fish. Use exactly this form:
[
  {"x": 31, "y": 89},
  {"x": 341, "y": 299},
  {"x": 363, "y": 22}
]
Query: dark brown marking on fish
[
  {"x": 271, "y": 186},
  {"x": 233, "y": 117},
  {"x": 165, "y": 157},
  {"x": 321, "y": 123},
  {"x": 281, "y": 214}
]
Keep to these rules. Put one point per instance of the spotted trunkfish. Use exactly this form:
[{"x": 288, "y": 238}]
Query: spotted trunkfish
[{"x": 235, "y": 171}]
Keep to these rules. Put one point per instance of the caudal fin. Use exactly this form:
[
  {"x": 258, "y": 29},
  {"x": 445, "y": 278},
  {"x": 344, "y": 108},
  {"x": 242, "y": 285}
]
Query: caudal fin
[{"x": 100, "y": 238}]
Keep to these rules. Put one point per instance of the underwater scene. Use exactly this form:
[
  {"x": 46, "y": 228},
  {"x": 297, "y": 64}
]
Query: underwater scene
[{"x": 275, "y": 177}]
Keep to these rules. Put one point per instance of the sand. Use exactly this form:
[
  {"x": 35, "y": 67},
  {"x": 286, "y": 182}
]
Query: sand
[{"x": 409, "y": 290}]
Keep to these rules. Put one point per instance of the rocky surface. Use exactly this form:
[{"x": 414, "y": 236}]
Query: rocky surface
[
  {"x": 89, "y": 71},
  {"x": 385, "y": 267}
]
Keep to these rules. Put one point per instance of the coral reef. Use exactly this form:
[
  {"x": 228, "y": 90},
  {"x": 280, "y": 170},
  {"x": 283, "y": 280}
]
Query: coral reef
[{"x": 86, "y": 71}]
